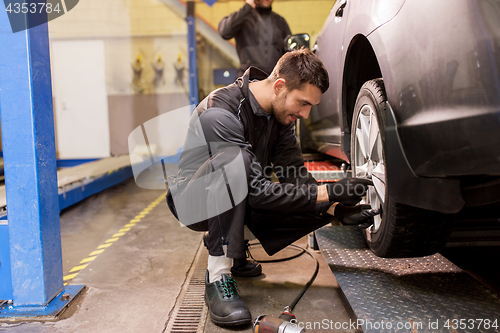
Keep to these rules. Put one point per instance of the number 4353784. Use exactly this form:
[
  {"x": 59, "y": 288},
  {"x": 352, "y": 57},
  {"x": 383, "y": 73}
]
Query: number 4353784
[
  {"x": 32, "y": 8},
  {"x": 471, "y": 324}
]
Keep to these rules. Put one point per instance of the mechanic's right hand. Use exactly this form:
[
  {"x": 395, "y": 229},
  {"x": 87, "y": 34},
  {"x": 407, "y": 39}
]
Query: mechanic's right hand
[{"x": 348, "y": 191}]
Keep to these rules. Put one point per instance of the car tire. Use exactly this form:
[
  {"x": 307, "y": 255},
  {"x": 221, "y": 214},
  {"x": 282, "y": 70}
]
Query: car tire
[{"x": 400, "y": 230}]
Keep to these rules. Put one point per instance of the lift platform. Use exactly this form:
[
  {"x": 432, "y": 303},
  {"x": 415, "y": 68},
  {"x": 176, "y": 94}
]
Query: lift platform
[
  {"x": 323, "y": 170},
  {"x": 81, "y": 181},
  {"x": 428, "y": 294}
]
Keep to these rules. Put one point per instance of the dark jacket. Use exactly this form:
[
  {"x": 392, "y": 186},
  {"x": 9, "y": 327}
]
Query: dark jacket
[
  {"x": 228, "y": 120},
  {"x": 244, "y": 28}
]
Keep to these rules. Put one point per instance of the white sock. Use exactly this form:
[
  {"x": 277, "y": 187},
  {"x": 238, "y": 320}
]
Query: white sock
[{"x": 218, "y": 265}]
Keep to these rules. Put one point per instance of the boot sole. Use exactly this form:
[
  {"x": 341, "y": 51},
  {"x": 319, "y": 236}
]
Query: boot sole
[
  {"x": 253, "y": 273},
  {"x": 220, "y": 321}
]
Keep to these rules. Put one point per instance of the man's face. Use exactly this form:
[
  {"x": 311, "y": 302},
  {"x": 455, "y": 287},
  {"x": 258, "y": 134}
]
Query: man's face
[
  {"x": 291, "y": 105},
  {"x": 263, "y": 3}
]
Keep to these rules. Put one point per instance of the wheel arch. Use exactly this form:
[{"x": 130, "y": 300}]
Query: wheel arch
[{"x": 361, "y": 65}]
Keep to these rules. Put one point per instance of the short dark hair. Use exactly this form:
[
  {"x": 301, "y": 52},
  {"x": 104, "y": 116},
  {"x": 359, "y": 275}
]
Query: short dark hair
[{"x": 299, "y": 67}]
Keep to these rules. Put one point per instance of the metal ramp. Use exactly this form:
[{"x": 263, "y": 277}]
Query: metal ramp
[{"x": 428, "y": 294}]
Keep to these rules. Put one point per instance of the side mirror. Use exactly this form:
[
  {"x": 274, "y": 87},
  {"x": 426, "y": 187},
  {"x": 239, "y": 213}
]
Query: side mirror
[{"x": 296, "y": 42}]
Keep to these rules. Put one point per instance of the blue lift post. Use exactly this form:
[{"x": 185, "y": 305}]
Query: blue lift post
[
  {"x": 193, "y": 69},
  {"x": 31, "y": 178}
]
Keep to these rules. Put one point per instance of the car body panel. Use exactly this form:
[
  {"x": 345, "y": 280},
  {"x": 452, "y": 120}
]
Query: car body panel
[
  {"x": 326, "y": 128},
  {"x": 440, "y": 62},
  {"x": 444, "y": 87}
]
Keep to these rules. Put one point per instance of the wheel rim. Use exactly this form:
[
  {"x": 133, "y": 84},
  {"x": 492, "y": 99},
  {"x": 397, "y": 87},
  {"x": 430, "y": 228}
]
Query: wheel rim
[{"x": 369, "y": 160}]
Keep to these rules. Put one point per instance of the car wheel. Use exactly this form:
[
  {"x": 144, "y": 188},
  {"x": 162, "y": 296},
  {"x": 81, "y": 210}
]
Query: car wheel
[{"x": 400, "y": 230}]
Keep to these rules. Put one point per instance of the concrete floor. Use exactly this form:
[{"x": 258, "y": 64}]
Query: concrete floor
[
  {"x": 134, "y": 284},
  {"x": 282, "y": 282}
]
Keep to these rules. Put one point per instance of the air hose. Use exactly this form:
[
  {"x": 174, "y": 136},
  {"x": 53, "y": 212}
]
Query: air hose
[{"x": 286, "y": 321}]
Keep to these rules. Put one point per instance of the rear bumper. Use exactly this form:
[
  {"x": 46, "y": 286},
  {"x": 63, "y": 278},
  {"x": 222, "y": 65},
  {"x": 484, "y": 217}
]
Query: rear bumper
[{"x": 452, "y": 143}]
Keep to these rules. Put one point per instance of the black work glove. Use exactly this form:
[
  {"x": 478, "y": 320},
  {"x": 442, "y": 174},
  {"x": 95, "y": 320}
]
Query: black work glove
[
  {"x": 348, "y": 191},
  {"x": 355, "y": 215}
]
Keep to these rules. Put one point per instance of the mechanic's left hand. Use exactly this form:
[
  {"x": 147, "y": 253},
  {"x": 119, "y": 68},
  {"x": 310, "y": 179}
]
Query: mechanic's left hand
[{"x": 355, "y": 215}]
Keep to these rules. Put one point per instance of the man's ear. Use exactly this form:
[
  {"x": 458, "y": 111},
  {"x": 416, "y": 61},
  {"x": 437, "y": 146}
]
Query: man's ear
[{"x": 279, "y": 85}]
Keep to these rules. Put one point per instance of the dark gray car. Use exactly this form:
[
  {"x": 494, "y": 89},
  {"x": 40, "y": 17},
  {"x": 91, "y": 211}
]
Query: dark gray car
[{"x": 413, "y": 104}]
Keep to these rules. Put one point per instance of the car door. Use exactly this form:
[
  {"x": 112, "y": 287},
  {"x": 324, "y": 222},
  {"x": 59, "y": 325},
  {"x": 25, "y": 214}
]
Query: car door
[
  {"x": 323, "y": 124},
  {"x": 348, "y": 19}
]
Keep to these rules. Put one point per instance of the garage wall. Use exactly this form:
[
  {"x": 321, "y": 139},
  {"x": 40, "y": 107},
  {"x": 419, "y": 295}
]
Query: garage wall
[
  {"x": 128, "y": 30},
  {"x": 113, "y": 18},
  {"x": 146, "y": 30}
]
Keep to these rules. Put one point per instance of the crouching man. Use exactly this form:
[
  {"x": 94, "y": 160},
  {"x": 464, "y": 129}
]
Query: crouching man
[{"x": 236, "y": 136}]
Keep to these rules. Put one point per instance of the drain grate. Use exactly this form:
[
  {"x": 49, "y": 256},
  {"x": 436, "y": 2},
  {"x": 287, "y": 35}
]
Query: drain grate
[{"x": 190, "y": 312}]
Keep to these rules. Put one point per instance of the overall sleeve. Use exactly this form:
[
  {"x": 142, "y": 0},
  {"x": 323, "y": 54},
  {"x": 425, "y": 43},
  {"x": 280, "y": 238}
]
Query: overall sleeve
[
  {"x": 230, "y": 25},
  {"x": 223, "y": 132}
]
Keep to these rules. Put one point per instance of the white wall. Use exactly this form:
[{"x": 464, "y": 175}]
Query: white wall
[{"x": 81, "y": 104}]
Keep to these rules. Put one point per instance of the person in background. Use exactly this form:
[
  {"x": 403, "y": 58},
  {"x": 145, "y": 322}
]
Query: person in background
[{"x": 259, "y": 34}]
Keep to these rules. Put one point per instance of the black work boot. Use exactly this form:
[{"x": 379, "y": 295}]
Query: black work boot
[
  {"x": 224, "y": 302},
  {"x": 242, "y": 267}
]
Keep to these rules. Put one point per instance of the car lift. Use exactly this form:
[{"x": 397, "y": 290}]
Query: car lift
[
  {"x": 428, "y": 294},
  {"x": 31, "y": 277}
]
